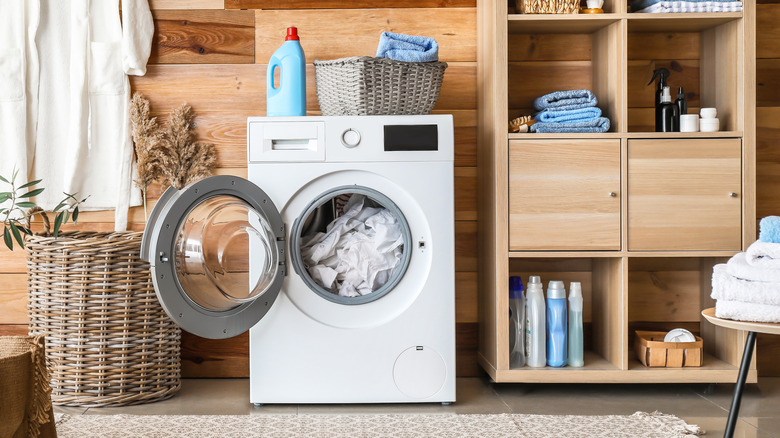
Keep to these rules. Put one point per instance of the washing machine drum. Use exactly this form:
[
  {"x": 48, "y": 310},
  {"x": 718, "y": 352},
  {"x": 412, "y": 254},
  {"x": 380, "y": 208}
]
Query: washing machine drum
[{"x": 216, "y": 250}]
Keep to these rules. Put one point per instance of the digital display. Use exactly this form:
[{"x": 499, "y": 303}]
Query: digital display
[{"x": 411, "y": 138}]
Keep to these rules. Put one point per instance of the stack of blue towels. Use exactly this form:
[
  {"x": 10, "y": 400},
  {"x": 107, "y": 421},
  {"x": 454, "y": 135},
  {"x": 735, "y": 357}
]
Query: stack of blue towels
[{"x": 569, "y": 111}]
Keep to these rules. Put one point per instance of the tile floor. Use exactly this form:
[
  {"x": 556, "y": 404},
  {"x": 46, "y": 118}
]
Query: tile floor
[{"x": 705, "y": 405}]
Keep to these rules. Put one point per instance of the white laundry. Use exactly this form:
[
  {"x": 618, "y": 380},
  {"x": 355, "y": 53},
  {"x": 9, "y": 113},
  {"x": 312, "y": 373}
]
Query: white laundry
[
  {"x": 358, "y": 252},
  {"x": 64, "y": 97},
  {"x": 739, "y": 267},
  {"x": 728, "y": 287},
  {"x": 764, "y": 254}
]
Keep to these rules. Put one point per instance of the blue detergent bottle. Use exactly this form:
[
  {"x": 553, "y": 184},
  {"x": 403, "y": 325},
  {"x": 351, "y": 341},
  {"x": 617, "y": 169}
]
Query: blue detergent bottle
[
  {"x": 288, "y": 97},
  {"x": 556, "y": 324}
]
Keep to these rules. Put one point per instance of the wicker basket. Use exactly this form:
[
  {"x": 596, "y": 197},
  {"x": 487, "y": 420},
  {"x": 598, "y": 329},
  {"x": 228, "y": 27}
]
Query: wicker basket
[
  {"x": 365, "y": 86},
  {"x": 108, "y": 340},
  {"x": 548, "y": 6}
]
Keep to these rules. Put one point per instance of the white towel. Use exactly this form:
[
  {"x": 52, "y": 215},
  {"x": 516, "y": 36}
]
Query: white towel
[
  {"x": 683, "y": 6},
  {"x": 764, "y": 254},
  {"x": 730, "y": 288},
  {"x": 747, "y": 311},
  {"x": 739, "y": 267}
]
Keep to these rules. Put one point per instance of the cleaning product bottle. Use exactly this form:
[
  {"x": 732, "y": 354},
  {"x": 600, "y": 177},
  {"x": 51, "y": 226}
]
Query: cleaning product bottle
[
  {"x": 516, "y": 323},
  {"x": 575, "y": 340},
  {"x": 556, "y": 324},
  {"x": 288, "y": 97},
  {"x": 667, "y": 116},
  {"x": 534, "y": 323},
  {"x": 663, "y": 74},
  {"x": 682, "y": 104}
]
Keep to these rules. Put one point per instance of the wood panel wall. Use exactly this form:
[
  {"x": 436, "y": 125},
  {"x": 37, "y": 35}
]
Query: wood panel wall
[{"x": 212, "y": 54}]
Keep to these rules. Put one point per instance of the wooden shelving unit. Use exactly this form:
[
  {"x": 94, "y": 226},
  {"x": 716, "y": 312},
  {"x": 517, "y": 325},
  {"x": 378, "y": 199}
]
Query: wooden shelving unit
[{"x": 638, "y": 217}]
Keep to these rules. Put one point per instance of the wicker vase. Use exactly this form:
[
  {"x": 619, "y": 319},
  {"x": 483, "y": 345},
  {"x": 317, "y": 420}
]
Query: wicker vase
[{"x": 108, "y": 340}]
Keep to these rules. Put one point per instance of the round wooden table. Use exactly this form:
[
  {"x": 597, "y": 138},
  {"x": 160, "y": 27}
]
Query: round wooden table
[{"x": 752, "y": 328}]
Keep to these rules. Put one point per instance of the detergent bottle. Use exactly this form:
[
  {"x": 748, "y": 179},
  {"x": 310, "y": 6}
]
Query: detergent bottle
[
  {"x": 556, "y": 324},
  {"x": 288, "y": 97},
  {"x": 534, "y": 323},
  {"x": 516, "y": 323}
]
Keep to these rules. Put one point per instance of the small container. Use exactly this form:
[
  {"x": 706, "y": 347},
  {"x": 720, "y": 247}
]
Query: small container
[
  {"x": 708, "y": 113},
  {"x": 689, "y": 123},
  {"x": 709, "y": 125},
  {"x": 679, "y": 335},
  {"x": 575, "y": 341},
  {"x": 652, "y": 351},
  {"x": 516, "y": 323},
  {"x": 288, "y": 97},
  {"x": 535, "y": 336}
]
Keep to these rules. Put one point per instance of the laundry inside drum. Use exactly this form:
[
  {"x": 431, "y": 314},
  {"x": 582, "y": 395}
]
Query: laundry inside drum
[{"x": 352, "y": 245}]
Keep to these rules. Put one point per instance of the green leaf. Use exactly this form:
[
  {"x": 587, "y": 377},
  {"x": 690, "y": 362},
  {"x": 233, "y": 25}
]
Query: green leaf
[
  {"x": 7, "y": 238},
  {"x": 25, "y": 204},
  {"x": 75, "y": 215},
  {"x": 16, "y": 172},
  {"x": 17, "y": 234},
  {"x": 25, "y": 230},
  {"x": 57, "y": 224},
  {"x": 4, "y": 180},
  {"x": 67, "y": 216},
  {"x": 30, "y": 184},
  {"x": 32, "y": 193},
  {"x": 4, "y": 197},
  {"x": 59, "y": 206}
]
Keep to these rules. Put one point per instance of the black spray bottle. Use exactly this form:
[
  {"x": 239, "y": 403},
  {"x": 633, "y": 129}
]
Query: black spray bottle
[
  {"x": 667, "y": 115},
  {"x": 663, "y": 74},
  {"x": 681, "y": 103}
]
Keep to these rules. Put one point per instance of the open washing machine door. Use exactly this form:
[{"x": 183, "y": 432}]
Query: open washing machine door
[{"x": 217, "y": 251}]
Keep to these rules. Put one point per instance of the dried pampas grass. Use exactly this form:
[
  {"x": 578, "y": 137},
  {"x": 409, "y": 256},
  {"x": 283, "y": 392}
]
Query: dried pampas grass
[{"x": 172, "y": 157}]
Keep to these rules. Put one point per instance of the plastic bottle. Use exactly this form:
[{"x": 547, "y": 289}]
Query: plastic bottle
[
  {"x": 288, "y": 97},
  {"x": 534, "y": 324},
  {"x": 575, "y": 340},
  {"x": 663, "y": 74},
  {"x": 556, "y": 324},
  {"x": 681, "y": 102},
  {"x": 667, "y": 115},
  {"x": 516, "y": 323}
]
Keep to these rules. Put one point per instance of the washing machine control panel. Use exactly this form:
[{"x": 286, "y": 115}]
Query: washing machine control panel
[{"x": 350, "y": 138}]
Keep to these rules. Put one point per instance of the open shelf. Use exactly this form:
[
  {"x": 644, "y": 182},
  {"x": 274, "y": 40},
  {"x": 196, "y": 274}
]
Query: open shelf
[
  {"x": 683, "y": 22},
  {"x": 605, "y": 135},
  {"x": 596, "y": 367},
  {"x": 560, "y": 23}
]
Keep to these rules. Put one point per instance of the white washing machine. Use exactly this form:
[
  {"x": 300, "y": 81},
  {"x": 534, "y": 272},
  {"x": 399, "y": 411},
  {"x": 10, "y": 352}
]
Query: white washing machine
[{"x": 225, "y": 256}]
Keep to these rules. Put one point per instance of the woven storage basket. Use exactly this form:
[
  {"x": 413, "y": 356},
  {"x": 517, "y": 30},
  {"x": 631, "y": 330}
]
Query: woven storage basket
[
  {"x": 108, "y": 340},
  {"x": 366, "y": 86},
  {"x": 548, "y": 6}
]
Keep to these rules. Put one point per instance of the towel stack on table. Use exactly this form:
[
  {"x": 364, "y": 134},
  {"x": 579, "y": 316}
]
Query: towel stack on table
[
  {"x": 747, "y": 288},
  {"x": 569, "y": 111},
  {"x": 664, "y": 6}
]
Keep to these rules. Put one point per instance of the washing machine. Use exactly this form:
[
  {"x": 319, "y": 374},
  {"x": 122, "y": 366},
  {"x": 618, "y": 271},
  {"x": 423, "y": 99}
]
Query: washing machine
[{"x": 231, "y": 254}]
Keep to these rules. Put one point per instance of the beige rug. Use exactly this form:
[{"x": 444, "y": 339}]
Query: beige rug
[{"x": 639, "y": 425}]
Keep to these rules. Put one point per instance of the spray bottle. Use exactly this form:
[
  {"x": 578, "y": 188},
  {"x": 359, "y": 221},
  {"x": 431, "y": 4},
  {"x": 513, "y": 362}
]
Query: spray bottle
[
  {"x": 535, "y": 337},
  {"x": 576, "y": 341},
  {"x": 287, "y": 98},
  {"x": 667, "y": 115},
  {"x": 516, "y": 323},
  {"x": 663, "y": 74}
]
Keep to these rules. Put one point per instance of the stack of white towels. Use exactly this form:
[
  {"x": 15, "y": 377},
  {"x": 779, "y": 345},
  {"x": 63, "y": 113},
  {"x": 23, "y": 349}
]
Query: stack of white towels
[{"x": 747, "y": 287}]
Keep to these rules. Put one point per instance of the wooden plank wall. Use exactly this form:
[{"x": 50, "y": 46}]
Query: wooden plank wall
[
  {"x": 768, "y": 144},
  {"x": 213, "y": 54}
]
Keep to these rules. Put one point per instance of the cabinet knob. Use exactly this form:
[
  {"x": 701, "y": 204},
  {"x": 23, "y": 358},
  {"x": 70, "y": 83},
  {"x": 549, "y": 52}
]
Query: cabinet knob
[
  {"x": 733, "y": 195},
  {"x": 612, "y": 194}
]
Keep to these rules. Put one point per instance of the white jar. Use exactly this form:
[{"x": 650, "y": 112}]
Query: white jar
[{"x": 709, "y": 125}]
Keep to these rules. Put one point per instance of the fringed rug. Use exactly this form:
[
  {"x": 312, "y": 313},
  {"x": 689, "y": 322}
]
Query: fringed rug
[{"x": 639, "y": 425}]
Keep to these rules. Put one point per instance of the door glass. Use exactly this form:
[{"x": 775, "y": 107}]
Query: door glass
[{"x": 225, "y": 253}]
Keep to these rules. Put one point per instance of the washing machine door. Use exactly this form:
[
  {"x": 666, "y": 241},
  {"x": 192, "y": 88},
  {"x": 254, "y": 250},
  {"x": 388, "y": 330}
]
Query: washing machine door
[{"x": 216, "y": 250}]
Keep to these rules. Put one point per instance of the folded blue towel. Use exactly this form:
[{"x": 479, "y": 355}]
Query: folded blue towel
[
  {"x": 770, "y": 229},
  {"x": 409, "y": 48},
  {"x": 566, "y": 100},
  {"x": 573, "y": 115},
  {"x": 638, "y": 5},
  {"x": 598, "y": 124}
]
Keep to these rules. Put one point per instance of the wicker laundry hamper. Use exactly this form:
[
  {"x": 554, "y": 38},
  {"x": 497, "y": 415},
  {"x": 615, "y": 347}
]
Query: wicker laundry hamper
[
  {"x": 108, "y": 340},
  {"x": 366, "y": 86}
]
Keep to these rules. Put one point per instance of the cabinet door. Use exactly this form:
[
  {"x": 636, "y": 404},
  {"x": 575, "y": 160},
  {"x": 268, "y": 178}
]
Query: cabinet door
[
  {"x": 564, "y": 195},
  {"x": 685, "y": 194}
]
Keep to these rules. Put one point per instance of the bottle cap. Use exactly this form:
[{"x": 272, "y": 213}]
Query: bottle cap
[
  {"x": 534, "y": 284},
  {"x": 666, "y": 96},
  {"x": 680, "y": 93},
  {"x": 292, "y": 34},
  {"x": 555, "y": 290},
  {"x": 575, "y": 289},
  {"x": 515, "y": 288}
]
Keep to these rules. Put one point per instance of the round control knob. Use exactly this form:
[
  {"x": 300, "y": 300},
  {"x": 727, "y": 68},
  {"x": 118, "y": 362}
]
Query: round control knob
[{"x": 350, "y": 138}]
